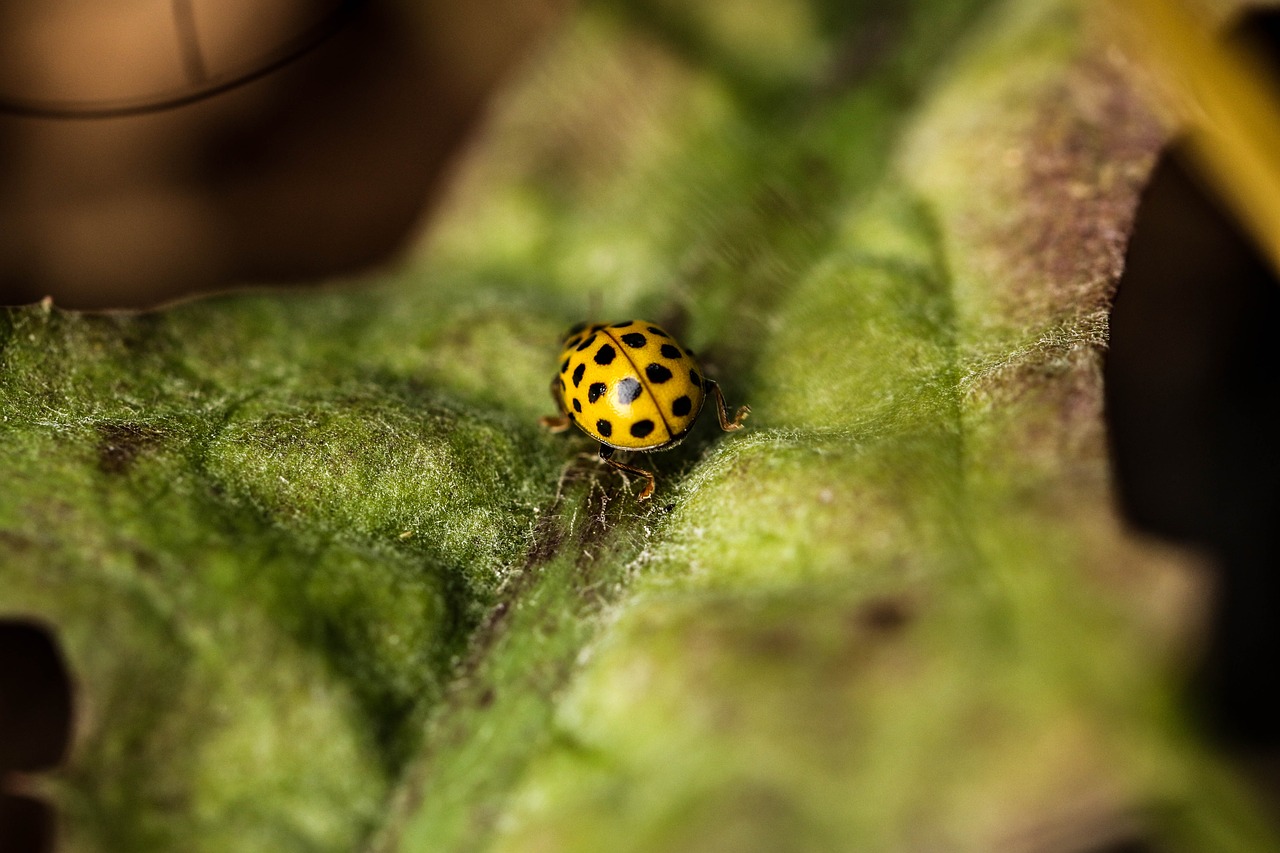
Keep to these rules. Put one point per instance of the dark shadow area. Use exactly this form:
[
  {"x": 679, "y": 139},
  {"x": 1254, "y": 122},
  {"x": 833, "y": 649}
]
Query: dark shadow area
[
  {"x": 35, "y": 730},
  {"x": 1193, "y": 401},
  {"x": 26, "y": 825},
  {"x": 1259, "y": 33}
]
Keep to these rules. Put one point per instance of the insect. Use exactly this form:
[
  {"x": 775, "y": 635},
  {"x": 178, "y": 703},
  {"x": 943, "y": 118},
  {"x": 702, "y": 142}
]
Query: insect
[{"x": 631, "y": 386}]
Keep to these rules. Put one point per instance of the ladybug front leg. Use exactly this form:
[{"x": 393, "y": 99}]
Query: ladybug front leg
[
  {"x": 606, "y": 453},
  {"x": 551, "y": 422},
  {"x": 722, "y": 412}
]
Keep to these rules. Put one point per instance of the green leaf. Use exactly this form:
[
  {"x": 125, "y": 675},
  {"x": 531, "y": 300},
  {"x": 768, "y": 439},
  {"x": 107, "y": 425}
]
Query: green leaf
[{"x": 324, "y": 583}]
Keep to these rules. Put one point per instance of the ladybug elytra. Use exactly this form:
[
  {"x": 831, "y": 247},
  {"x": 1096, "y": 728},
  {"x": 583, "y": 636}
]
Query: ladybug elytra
[{"x": 631, "y": 386}]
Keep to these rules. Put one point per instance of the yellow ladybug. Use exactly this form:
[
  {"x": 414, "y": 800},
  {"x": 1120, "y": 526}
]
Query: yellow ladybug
[{"x": 630, "y": 386}]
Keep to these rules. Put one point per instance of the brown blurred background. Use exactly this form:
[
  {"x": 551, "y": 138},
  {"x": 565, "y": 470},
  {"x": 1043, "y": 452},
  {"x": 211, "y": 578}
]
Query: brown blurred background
[{"x": 150, "y": 149}]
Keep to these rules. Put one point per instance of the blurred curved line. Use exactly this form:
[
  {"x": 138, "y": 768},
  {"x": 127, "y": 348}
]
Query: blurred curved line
[
  {"x": 291, "y": 52},
  {"x": 184, "y": 25}
]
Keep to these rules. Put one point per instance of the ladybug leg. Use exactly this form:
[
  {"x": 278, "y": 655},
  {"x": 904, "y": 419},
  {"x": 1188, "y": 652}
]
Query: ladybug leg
[
  {"x": 722, "y": 412},
  {"x": 606, "y": 453},
  {"x": 552, "y": 422}
]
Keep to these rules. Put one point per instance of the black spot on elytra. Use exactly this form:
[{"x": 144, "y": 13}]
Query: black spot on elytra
[
  {"x": 577, "y": 404},
  {"x": 642, "y": 428},
  {"x": 605, "y": 354},
  {"x": 119, "y": 445},
  {"x": 577, "y": 374},
  {"x": 695, "y": 378},
  {"x": 628, "y": 390},
  {"x": 670, "y": 351},
  {"x": 682, "y": 406},
  {"x": 604, "y": 427},
  {"x": 596, "y": 391},
  {"x": 590, "y": 339},
  {"x": 623, "y": 324},
  {"x": 635, "y": 340},
  {"x": 658, "y": 332},
  {"x": 564, "y": 368},
  {"x": 572, "y": 342},
  {"x": 657, "y": 373}
]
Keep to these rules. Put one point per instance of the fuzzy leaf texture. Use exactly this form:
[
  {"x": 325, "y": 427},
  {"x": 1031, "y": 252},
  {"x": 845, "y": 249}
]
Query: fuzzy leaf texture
[{"x": 324, "y": 583}]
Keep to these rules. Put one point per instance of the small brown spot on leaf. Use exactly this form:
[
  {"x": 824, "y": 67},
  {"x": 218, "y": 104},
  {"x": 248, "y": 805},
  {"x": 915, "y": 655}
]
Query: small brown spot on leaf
[
  {"x": 775, "y": 641},
  {"x": 884, "y": 615},
  {"x": 120, "y": 443},
  {"x": 16, "y": 542}
]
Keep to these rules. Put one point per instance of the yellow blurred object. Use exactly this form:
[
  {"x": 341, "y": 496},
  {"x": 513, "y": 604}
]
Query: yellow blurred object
[{"x": 1228, "y": 104}]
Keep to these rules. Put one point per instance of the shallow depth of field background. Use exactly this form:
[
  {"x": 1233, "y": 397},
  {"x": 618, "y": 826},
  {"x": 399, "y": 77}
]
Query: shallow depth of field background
[{"x": 993, "y": 566}]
